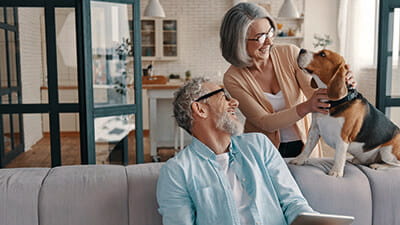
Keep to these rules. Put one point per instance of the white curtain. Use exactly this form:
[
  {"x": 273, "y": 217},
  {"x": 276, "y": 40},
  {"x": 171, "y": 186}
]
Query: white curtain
[{"x": 357, "y": 32}]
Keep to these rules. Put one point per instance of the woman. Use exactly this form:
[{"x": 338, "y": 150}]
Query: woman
[{"x": 274, "y": 94}]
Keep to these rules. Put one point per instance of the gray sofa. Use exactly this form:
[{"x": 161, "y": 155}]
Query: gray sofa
[{"x": 117, "y": 195}]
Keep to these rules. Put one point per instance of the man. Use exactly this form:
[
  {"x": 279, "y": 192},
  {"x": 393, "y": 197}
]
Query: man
[{"x": 223, "y": 176}]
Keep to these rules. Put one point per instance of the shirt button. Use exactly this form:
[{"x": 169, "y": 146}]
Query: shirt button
[{"x": 243, "y": 179}]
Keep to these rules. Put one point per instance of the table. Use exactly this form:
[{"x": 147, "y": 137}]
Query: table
[{"x": 156, "y": 93}]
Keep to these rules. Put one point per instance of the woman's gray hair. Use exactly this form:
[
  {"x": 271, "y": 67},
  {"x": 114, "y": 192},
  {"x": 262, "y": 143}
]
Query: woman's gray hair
[
  {"x": 233, "y": 32},
  {"x": 183, "y": 100}
]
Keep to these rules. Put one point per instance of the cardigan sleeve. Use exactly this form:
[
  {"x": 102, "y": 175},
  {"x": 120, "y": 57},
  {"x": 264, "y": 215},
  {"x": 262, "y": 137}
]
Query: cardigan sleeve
[{"x": 251, "y": 108}]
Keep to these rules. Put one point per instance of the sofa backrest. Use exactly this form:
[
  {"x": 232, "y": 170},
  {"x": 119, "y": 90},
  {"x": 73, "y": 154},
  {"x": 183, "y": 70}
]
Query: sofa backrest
[
  {"x": 349, "y": 195},
  {"x": 142, "y": 181},
  {"x": 118, "y": 195},
  {"x": 19, "y": 195},
  {"x": 79, "y": 195}
]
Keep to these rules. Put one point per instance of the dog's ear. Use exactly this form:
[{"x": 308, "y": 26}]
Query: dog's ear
[
  {"x": 313, "y": 83},
  {"x": 337, "y": 88}
]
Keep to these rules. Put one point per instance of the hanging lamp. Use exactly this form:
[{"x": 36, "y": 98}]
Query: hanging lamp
[{"x": 154, "y": 9}]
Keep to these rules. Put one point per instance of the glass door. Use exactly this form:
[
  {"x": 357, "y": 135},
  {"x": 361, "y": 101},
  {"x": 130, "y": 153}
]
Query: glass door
[
  {"x": 388, "y": 82},
  {"x": 60, "y": 84},
  {"x": 113, "y": 81},
  {"x": 11, "y": 126}
]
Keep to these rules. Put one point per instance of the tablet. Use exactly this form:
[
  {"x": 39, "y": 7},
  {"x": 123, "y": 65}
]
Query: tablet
[{"x": 322, "y": 219}]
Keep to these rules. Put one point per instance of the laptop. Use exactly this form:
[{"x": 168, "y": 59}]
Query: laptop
[{"x": 322, "y": 219}]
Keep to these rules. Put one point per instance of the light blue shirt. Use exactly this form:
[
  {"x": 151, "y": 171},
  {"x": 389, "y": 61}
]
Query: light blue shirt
[{"x": 192, "y": 190}]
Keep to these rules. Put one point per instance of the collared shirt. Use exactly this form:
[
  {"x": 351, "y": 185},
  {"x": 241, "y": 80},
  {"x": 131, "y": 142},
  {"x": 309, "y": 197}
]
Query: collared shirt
[{"x": 191, "y": 188}]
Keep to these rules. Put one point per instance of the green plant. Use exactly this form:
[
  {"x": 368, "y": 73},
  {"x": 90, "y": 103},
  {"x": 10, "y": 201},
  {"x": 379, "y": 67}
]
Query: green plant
[
  {"x": 188, "y": 74},
  {"x": 320, "y": 41},
  {"x": 123, "y": 49},
  {"x": 174, "y": 76}
]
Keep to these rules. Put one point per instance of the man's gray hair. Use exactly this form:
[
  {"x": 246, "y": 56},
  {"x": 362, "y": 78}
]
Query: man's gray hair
[
  {"x": 233, "y": 32},
  {"x": 183, "y": 100}
]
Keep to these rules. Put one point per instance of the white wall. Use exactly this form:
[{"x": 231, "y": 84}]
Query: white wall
[
  {"x": 31, "y": 69},
  {"x": 199, "y": 51},
  {"x": 199, "y": 31},
  {"x": 321, "y": 18},
  {"x": 199, "y": 40}
]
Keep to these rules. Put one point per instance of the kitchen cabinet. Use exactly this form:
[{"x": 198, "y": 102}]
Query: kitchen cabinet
[{"x": 160, "y": 39}]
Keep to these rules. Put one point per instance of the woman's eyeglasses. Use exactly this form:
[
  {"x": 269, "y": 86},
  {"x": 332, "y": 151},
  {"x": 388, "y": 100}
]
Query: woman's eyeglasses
[
  {"x": 227, "y": 96},
  {"x": 261, "y": 39}
]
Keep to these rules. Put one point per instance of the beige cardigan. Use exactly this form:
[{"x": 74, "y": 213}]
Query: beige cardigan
[{"x": 260, "y": 116}]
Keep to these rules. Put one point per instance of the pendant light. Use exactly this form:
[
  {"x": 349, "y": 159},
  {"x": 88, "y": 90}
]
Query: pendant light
[
  {"x": 288, "y": 9},
  {"x": 154, "y": 9}
]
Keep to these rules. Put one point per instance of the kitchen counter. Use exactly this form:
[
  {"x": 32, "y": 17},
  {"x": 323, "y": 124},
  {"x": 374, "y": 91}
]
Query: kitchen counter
[
  {"x": 168, "y": 85},
  {"x": 163, "y": 129}
]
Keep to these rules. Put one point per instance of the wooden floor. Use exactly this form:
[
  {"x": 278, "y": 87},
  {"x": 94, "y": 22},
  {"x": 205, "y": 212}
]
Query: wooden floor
[{"x": 39, "y": 154}]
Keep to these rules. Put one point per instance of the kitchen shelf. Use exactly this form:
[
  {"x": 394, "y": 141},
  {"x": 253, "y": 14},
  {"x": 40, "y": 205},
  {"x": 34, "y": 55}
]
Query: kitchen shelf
[
  {"x": 289, "y": 38},
  {"x": 290, "y": 26}
]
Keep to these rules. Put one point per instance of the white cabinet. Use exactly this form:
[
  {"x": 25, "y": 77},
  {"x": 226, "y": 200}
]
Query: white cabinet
[
  {"x": 160, "y": 39},
  {"x": 290, "y": 30}
]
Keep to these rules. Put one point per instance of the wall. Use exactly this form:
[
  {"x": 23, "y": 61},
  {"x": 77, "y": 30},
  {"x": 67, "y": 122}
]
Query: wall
[
  {"x": 366, "y": 84},
  {"x": 199, "y": 38},
  {"x": 325, "y": 12},
  {"x": 31, "y": 69},
  {"x": 199, "y": 23}
]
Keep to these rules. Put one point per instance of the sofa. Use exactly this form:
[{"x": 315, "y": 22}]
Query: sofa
[{"x": 118, "y": 195}]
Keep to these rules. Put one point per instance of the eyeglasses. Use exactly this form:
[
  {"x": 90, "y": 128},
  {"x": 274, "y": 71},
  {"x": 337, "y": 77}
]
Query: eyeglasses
[
  {"x": 227, "y": 96},
  {"x": 261, "y": 39}
]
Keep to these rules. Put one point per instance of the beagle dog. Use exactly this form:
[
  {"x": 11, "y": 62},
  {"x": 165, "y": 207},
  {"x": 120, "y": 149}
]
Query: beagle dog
[{"x": 353, "y": 125}]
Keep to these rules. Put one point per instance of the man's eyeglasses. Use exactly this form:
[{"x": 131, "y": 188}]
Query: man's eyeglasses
[
  {"x": 261, "y": 39},
  {"x": 227, "y": 96}
]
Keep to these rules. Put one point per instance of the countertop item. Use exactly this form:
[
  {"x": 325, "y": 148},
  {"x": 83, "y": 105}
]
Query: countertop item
[{"x": 156, "y": 79}]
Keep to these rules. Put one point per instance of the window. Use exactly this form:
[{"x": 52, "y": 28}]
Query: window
[{"x": 388, "y": 80}]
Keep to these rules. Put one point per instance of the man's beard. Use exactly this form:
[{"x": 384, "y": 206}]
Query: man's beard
[{"x": 232, "y": 126}]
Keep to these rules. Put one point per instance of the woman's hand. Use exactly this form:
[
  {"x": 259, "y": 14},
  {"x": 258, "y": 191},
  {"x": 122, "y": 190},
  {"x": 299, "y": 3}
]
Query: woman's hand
[
  {"x": 350, "y": 80},
  {"x": 317, "y": 103}
]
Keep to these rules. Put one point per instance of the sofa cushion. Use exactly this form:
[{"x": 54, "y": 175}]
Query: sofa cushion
[
  {"x": 83, "y": 195},
  {"x": 142, "y": 182},
  {"x": 349, "y": 195},
  {"x": 385, "y": 186},
  {"x": 19, "y": 191}
]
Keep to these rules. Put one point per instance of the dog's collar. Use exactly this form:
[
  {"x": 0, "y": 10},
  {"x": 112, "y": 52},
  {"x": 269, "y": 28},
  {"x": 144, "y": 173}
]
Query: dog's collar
[{"x": 352, "y": 94}]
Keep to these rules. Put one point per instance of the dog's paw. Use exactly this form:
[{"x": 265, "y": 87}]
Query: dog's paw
[
  {"x": 298, "y": 161},
  {"x": 379, "y": 166},
  {"x": 335, "y": 173}
]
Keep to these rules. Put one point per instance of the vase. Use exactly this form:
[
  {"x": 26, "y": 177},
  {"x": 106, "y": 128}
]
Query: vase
[{"x": 288, "y": 9}]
